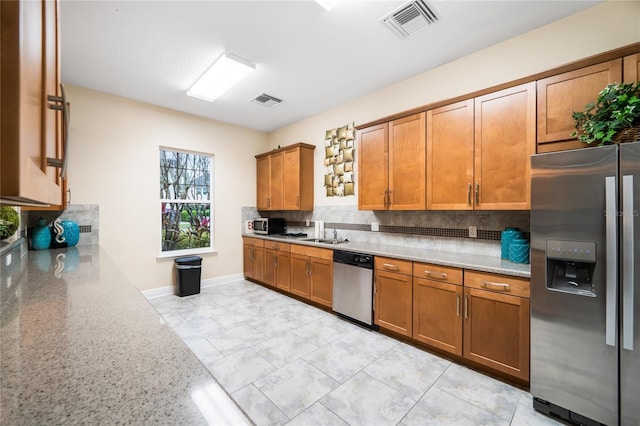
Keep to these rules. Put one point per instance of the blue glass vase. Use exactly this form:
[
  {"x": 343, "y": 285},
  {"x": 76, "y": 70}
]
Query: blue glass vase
[{"x": 41, "y": 236}]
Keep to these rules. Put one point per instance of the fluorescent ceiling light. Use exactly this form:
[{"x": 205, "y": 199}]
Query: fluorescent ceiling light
[
  {"x": 225, "y": 72},
  {"x": 328, "y": 4}
]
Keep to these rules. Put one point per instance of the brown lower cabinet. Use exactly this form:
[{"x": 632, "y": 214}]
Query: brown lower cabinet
[
  {"x": 253, "y": 258},
  {"x": 277, "y": 264},
  {"x": 437, "y": 306},
  {"x": 393, "y": 294},
  {"x": 312, "y": 273},
  {"x": 496, "y": 322}
]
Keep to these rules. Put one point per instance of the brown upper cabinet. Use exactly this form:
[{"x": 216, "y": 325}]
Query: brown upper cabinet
[
  {"x": 561, "y": 94},
  {"x": 31, "y": 131},
  {"x": 478, "y": 151},
  {"x": 285, "y": 178},
  {"x": 391, "y": 158},
  {"x": 631, "y": 68}
]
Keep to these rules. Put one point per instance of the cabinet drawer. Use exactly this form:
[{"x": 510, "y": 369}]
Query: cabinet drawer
[
  {"x": 394, "y": 265},
  {"x": 254, "y": 242},
  {"x": 312, "y": 251},
  {"x": 515, "y": 286},
  {"x": 277, "y": 245},
  {"x": 438, "y": 273}
]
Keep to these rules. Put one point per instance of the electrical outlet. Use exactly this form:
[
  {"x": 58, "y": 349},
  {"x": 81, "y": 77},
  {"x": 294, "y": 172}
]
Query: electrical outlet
[
  {"x": 306, "y": 223},
  {"x": 375, "y": 226},
  {"x": 473, "y": 232}
]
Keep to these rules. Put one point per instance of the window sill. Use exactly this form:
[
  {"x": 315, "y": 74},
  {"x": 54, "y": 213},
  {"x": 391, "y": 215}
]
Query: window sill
[{"x": 182, "y": 253}]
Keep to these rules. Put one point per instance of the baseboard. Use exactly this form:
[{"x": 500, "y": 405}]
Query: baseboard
[{"x": 168, "y": 290}]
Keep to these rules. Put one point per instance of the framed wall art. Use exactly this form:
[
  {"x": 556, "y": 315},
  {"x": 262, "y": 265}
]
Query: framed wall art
[{"x": 339, "y": 157}]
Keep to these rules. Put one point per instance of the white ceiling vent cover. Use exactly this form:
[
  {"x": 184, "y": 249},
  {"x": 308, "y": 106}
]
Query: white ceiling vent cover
[
  {"x": 266, "y": 100},
  {"x": 410, "y": 18}
]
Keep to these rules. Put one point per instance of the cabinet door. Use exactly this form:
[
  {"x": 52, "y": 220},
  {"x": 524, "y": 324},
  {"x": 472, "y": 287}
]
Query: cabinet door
[
  {"x": 300, "y": 269},
  {"x": 560, "y": 95},
  {"x": 30, "y": 131},
  {"x": 504, "y": 141},
  {"x": 631, "y": 68},
  {"x": 258, "y": 254},
  {"x": 393, "y": 302},
  {"x": 283, "y": 270},
  {"x": 322, "y": 281},
  {"x": 247, "y": 261},
  {"x": 450, "y": 157},
  {"x": 263, "y": 178},
  {"x": 373, "y": 167},
  {"x": 276, "y": 193},
  {"x": 407, "y": 173},
  {"x": 298, "y": 178},
  {"x": 496, "y": 331},
  {"x": 437, "y": 318},
  {"x": 291, "y": 179},
  {"x": 270, "y": 267}
]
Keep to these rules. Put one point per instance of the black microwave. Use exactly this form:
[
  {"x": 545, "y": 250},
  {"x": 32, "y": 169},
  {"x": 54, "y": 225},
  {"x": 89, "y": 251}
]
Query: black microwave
[{"x": 268, "y": 225}]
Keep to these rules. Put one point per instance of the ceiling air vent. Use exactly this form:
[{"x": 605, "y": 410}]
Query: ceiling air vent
[
  {"x": 410, "y": 18},
  {"x": 266, "y": 100}
]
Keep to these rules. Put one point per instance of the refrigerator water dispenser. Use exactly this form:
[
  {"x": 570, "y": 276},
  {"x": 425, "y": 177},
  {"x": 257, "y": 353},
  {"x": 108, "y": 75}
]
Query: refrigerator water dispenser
[{"x": 570, "y": 266}]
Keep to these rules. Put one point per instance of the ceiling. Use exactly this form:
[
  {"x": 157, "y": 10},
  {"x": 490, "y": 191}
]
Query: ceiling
[{"x": 311, "y": 58}]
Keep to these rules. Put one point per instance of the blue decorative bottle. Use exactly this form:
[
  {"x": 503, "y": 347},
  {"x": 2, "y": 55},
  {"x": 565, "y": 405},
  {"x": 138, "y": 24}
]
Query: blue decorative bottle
[{"x": 41, "y": 236}]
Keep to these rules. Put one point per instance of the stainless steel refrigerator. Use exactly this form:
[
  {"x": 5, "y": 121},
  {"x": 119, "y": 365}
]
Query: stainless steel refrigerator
[{"x": 585, "y": 291}]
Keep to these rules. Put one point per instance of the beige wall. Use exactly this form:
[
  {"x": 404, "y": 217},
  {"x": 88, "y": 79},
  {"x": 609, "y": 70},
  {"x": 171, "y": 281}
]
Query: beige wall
[
  {"x": 114, "y": 160},
  {"x": 595, "y": 30}
]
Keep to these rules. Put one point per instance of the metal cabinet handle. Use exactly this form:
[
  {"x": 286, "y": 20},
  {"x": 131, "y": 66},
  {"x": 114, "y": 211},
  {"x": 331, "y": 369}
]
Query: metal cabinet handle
[
  {"x": 477, "y": 193},
  {"x": 308, "y": 268},
  {"x": 457, "y": 305},
  {"x": 627, "y": 262},
  {"x": 59, "y": 103},
  {"x": 297, "y": 201},
  {"x": 389, "y": 197},
  {"x": 611, "y": 219},
  {"x": 497, "y": 286},
  {"x": 466, "y": 306},
  {"x": 442, "y": 276},
  {"x": 275, "y": 261},
  {"x": 469, "y": 193},
  {"x": 390, "y": 267}
]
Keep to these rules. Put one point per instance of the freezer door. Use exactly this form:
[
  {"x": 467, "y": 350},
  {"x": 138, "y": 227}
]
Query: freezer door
[
  {"x": 630, "y": 284},
  {"x": 574, "y": 355}
]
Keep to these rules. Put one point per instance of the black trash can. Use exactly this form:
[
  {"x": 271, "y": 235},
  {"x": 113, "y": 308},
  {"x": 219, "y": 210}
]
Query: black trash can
[{"x": 188, "y": 271}]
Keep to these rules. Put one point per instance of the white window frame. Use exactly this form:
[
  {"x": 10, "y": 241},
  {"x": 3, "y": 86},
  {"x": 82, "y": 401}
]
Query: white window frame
[{"x": 210, "y": 201}]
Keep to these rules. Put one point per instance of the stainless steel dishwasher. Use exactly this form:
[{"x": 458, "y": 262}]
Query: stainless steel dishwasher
[{"x": 353, "y": 287}]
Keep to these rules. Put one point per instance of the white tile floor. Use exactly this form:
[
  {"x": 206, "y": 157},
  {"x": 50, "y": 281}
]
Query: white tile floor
[{"x": 288, "y": 363}]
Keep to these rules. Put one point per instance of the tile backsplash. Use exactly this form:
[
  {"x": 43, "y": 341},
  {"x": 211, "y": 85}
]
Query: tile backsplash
[{"x": 445, "y": 230}]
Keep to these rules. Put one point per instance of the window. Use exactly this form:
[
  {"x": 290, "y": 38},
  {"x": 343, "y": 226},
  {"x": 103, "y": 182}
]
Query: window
[{"x": 186, "y": 181}]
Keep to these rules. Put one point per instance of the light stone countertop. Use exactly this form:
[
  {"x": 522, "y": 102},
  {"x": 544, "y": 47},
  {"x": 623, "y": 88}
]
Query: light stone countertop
[
  {"x": 80, "y": 345},
  {"x": 476, "y": 262}
]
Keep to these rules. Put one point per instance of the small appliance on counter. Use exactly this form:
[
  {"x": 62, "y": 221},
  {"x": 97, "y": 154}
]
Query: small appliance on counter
[{"x": 268, "y": 225}]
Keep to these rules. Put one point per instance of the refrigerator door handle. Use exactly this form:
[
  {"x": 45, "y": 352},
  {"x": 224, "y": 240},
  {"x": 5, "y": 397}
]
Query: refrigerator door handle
[
  {"x": 627, "y": 262},
  {"x": 611, "y": 216}
]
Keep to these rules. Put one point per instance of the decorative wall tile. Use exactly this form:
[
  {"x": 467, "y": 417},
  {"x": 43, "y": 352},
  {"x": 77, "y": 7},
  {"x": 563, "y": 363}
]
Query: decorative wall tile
[{"x": 338, "y": 161}]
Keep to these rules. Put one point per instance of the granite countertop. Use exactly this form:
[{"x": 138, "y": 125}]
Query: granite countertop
[
  {"x": 81, "y": 345},
  {"x": 476, "y": 262}
]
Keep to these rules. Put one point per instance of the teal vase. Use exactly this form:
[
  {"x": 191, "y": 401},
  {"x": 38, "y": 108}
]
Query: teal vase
[
  {"x": 66, "y": 233},
  {"x": 41, "y": 236},
  {"x": 519, "y": 251},
  {"x": 508, "y": 235}
]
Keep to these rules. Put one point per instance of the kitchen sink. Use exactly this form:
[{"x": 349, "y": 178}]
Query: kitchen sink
[{"x": 326, "y": 240}]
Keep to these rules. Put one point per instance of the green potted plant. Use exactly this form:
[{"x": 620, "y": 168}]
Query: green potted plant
[{"x": 614, "y": 115}]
